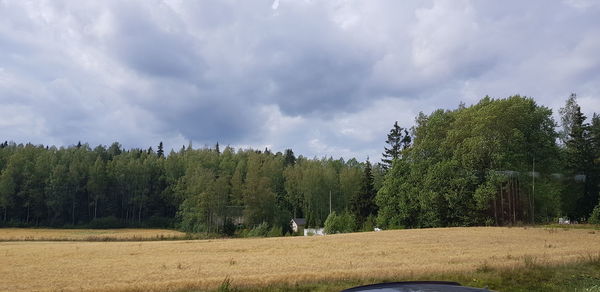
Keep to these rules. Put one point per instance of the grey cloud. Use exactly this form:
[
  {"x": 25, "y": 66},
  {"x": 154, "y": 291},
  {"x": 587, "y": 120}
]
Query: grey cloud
[
  {"x": 321, "y": 84},
  {"x": 230, "y": 71},
  {"x": 140, "y": 42}
]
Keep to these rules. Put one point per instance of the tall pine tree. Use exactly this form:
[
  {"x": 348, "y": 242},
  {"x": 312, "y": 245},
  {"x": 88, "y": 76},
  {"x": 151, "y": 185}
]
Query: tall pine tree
[
  {"x": 160, "y": 152},
  {"x": 580, "y": 156},
  {"x": 398, "y": 140},
  {"x": 363, "y": 205}
]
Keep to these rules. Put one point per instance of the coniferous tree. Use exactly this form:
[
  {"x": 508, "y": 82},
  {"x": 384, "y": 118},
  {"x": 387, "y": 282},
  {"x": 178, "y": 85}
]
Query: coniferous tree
[
  {"x": 398, "y": 140},
  {"x": 160, "y": 152},
  {"x": 289, "y": 158},
  {"x": 363, "y": 205},
  {"x": 580, "y": 160}
]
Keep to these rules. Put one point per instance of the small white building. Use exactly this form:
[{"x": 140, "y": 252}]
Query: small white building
[{"x": 298, "y": 224}]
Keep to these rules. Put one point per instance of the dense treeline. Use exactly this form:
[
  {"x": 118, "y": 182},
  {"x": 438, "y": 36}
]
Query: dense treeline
[
  {"x": 199, "y": 190},
  {"x": 498, "y": 162}
]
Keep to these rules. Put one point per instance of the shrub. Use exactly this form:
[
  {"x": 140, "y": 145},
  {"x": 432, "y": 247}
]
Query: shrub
[
  {"x": 275, "y": 231},
  {"x": 348, "y": 222},
  {"x": 332, "y": 223},
  {"x": 342, "y": 223},
  {"x": 260, "y": 230},
  {"x": 595, "y": 217},
  {"x": 369, "y": 224}
]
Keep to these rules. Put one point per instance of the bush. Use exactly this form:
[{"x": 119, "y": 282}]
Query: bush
[
  {"x": 369, "y": 224},
  {"x": 105, "y": 222},
  {"x": 260, "y": 230},
  {"x": 342, "y": 223},
  {"x": 595, "y": 217},
  {"x": 275, "y": 231},
  {"x": 332, "y": 224}
]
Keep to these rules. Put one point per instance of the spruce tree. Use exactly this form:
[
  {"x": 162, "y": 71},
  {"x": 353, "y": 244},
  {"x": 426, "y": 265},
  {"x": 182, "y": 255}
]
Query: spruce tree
[
  {"x": 160, "y": 152},
  {"x": 363, "y": 205},
  {"x": 580, "y": 156},
  {"x": 289, "y": 158},
  {"x": 397, "y": 142}
]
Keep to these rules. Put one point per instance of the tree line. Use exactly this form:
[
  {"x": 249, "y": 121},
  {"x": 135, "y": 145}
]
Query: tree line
[
  {"x": 497, "y": 162},
  {"x": 197, "y": 190}
]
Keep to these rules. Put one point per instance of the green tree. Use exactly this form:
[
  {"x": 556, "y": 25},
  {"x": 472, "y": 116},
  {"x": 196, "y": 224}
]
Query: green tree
[
  {"x": 398, "y": 140},
  {"x": 289, "y": 158},
  {"x": 580, "y": 158},
  {"x": 363, "y": 205},
  {"x": 97, "y": 183},
  {"x": 160, "y": 152},
  {"x": 259, "y": 199}
]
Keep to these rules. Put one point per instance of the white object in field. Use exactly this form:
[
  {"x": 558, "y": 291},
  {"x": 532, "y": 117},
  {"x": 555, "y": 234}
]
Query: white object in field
[
  {"x": 314, "y": 231},
  {"x": 564, "y": 221}
]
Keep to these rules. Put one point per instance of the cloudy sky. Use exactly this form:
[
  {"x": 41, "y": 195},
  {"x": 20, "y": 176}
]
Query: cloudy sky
[{"x": 326, "y": 78}]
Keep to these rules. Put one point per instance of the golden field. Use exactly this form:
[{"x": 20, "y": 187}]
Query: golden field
[
  {"x": 172, "y": 265},
  {"x": 23, "y": 234}
]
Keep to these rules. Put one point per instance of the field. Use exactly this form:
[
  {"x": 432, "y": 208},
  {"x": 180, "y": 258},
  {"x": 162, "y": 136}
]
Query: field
[
  {"x": 29, "y": 234},
  {"x": 205, "y": 264}
]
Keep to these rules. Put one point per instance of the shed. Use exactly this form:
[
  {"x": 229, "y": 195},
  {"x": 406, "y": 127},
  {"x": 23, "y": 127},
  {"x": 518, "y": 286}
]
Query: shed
[{"x": 298, "y": 224}]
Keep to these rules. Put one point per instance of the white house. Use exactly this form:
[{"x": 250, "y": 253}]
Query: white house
[{"x": 298, "y": 224}]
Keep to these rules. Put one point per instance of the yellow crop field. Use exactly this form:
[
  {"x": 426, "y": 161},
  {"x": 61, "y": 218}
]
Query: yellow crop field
[
  {"x": 22, "y": 234},
  {"x": 172, "y": 265}
]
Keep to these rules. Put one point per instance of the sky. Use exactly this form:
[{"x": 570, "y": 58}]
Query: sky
[{"x": 324, "y": 78}]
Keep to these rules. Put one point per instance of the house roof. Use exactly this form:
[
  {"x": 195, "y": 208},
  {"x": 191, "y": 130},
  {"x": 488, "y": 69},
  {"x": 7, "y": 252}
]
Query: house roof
[{"x": 299, "y": 221}]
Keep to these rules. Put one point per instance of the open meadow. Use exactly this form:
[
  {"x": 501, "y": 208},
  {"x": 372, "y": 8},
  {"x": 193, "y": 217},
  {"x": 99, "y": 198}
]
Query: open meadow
[
  {"x": 257, "y": 262},
  {"x": 31, "y": 234}
]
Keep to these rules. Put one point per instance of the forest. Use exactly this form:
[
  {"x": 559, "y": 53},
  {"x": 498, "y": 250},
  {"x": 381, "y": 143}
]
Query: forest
[{"x": 497, "y": 162}]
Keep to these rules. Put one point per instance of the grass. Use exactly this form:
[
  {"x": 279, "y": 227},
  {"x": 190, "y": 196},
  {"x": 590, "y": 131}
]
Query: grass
[
  {"x": 579, "y": 276},
  {"x": 47, "y": 234},
  {"x": 572, "y": 226},
  {"x": 500, "y": 258}
]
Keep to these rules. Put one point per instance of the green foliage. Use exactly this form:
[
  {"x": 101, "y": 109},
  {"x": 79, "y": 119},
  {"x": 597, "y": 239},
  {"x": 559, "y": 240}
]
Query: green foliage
[
  {"x": 342, "y": 223},
  {"x": 362, "y": 205},
  {"x": 582, "y": 150},
  {"x": 467, "y": 166},
  {"x": 397, "y": 140},
  {"x": 331, "y": 224},
  {"x": 260, "y": 230},
  {"x": 595, "y": 217},
  {"x": 275, "y": 232},
  {"x": 454, "y": 172},
  {"x": 105, "y": 223},
  {"x": 369, "y": 224},
  {"x": 229, "y": 227},
  {"x": 197, "y": 190}
]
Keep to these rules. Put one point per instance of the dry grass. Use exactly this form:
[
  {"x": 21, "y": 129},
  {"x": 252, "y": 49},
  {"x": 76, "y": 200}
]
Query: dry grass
[
  {"x": 172, "y": 265},
  {"x": 29, "y": 234}
]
